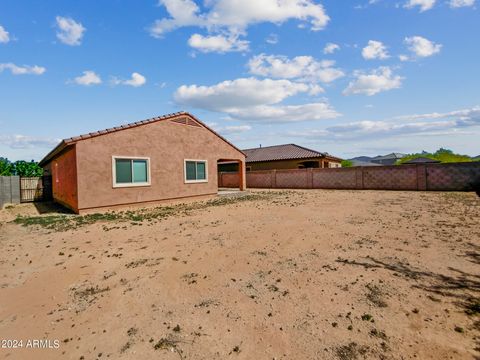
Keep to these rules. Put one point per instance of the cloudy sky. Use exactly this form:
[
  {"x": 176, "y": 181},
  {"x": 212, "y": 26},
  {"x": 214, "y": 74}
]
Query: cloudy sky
[{"x": 356, "y": 77}]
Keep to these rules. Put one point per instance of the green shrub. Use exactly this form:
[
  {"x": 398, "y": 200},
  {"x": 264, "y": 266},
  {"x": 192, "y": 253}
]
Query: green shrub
[{"x": 442, "y": 155}]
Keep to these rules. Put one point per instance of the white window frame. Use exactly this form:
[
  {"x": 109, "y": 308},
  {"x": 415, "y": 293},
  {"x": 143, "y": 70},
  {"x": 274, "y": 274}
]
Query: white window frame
[
  {"x": 185, "y": 171},
  {"x": 133, "y": 184}
]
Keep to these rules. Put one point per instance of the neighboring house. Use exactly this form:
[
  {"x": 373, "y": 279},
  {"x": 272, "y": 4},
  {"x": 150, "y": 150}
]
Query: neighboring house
[
  {"x": 168, "y": 157},
  {"x": 289, "y": 156},
  {"x": 363, "y": 159},
  {"x": 363, "y": 163},
  {"x": 421, "y": 160},
  {"x": 390, "y": 159}
]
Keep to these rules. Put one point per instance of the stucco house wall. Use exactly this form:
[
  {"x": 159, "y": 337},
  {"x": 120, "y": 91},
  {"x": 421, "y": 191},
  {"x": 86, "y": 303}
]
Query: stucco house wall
[
  {"x": 64, "y": 178},
  {"x": 88, "y": 164}
]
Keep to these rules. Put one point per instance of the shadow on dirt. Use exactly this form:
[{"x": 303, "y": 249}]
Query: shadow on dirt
[
  {"x": 50, "y": 207},
  {"x": 473, "y": 255},
  {"x": 462, "y": 286}
]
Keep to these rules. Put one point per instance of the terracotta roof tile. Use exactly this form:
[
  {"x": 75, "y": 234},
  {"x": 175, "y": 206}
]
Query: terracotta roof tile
[
  {"x": 72, "y": 140},
  {"x": 282, "y": 152}
]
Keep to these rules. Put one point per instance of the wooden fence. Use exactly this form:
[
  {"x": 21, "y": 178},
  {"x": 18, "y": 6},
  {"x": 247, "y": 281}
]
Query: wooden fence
[
  {"x": 35, "y": 188},
  {"x": 444, "y": 177}
]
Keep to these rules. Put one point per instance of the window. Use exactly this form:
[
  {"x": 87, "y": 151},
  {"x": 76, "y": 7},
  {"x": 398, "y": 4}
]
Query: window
[
  {"x": 196, "y": 171},
  {"x": 131, "y": 171}
]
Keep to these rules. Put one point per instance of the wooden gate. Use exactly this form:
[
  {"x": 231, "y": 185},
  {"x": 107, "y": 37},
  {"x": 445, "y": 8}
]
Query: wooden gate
[{"x": 35, "y": 188}]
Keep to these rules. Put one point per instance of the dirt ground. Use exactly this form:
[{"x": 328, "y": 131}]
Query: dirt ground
[{"x": 310, "y": 274}]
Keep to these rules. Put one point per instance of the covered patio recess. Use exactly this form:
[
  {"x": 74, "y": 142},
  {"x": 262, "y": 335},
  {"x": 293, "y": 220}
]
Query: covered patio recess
[{"x": 231, "y": 175}]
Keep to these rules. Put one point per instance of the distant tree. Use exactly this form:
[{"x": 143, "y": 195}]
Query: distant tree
[
  {"x": 6, "y": 167},
  {"x": 442, "y": 155},
  {"x": 19, "y": 168},
  {"x": 27, "y": 169},
  {"x": 347, "y": 163}
]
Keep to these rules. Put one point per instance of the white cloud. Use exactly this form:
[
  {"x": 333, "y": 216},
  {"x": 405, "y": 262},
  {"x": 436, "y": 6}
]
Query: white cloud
[
  {"x": 304, "y": 68},
  {"x": 136, "y": 80},
  {"x": 375, "y": 50},
  {"x": 230, "y": 129},
  {"x": 22, "y": 70},
  {"x": 4, "y": 36},
  {"x": 69, "y": 31},
  {"x": 272, "y": 39},
  {"x": 378, "y": 80},
  {"x": 251, "y": 99},
  {"x": 461, "y": 3},
  {"x": 434, "y": 123},
  {"x": 236, "y": 16},
  {"x": 330, "y": 48},
  {"x": 27, "y": 142},
  {"x": 238, "y": 93},
  {"x": 88, "y": 78},
  {"x": 423, "y": 4},
  {"x": 422, "y": 47},
  {"x": 286, "y": 113},
  {"x": 217, "y": 43}
]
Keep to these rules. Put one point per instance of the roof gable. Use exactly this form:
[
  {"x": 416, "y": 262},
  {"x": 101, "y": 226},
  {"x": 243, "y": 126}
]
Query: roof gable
[{"x": 180, "y": 117}]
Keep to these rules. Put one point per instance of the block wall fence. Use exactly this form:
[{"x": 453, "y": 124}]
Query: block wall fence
[
  {"x": 418, "y": 177},
  {"x": 9, "y": 190}
]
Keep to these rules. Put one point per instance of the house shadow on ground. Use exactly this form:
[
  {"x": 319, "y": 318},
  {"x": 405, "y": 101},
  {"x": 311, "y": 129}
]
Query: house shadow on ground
[{"x": 50, "y": 207}]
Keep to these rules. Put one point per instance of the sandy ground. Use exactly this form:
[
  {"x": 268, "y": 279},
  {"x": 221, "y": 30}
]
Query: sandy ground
[{"x": 295, "y": 275}]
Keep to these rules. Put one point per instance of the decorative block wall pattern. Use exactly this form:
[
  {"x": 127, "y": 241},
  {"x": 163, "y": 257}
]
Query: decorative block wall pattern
[
  {"x": 454, "y": 176},
  {"x": 292, "y": 179},
  {"x": 334, "y": 178},
  {"x": 402, "y": 177},
  {"x": 441, "y": 177},
  {"x": 261, "y": 179},
  {"x": 228, "y": 180}
]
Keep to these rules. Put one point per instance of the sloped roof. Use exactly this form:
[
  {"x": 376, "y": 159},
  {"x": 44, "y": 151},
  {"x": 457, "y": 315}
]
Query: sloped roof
[
  {"x": 282, "y": 152},
  {"x": 70, "y": 141},
  {"x": 422, "y": 160},
  {"x": 363, "y": 163},
  {"x": 389, "y": 156}
]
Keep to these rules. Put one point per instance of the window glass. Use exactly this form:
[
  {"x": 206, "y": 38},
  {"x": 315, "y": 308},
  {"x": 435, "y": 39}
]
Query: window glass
[
  {"x": 123, "y": 170},
  {"x": 201, "y": 171},
  {"x": 191, "y": 170},
  {"x": 140, "y": 171}
]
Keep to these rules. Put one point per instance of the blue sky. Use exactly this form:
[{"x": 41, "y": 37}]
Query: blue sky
[{"x": 359, "y": 77}]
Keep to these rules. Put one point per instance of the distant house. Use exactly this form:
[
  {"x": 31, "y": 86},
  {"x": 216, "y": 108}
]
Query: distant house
[
  {"x": 167, "y": 157},
  {"x": 288, "y": 156},
  {"x": 421, "y": 160},
  {"x": 363, "y": 163},
  {"x": 390, "y": 159}
]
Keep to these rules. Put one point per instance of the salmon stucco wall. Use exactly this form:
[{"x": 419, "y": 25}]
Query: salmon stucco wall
[
  {"x": 167, "y": 144},
  {"x": 64, "y": 178}
]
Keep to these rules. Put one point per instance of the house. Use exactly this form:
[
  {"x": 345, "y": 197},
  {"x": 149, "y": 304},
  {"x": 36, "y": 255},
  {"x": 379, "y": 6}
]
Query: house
[
  {"x": 390, "y": 159},
  {"x": 288, "y": 156},
  {"x": 421, "y": 160},
  {"x": 168, "y": 157},
  {"x": 363, "y": 163}
]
